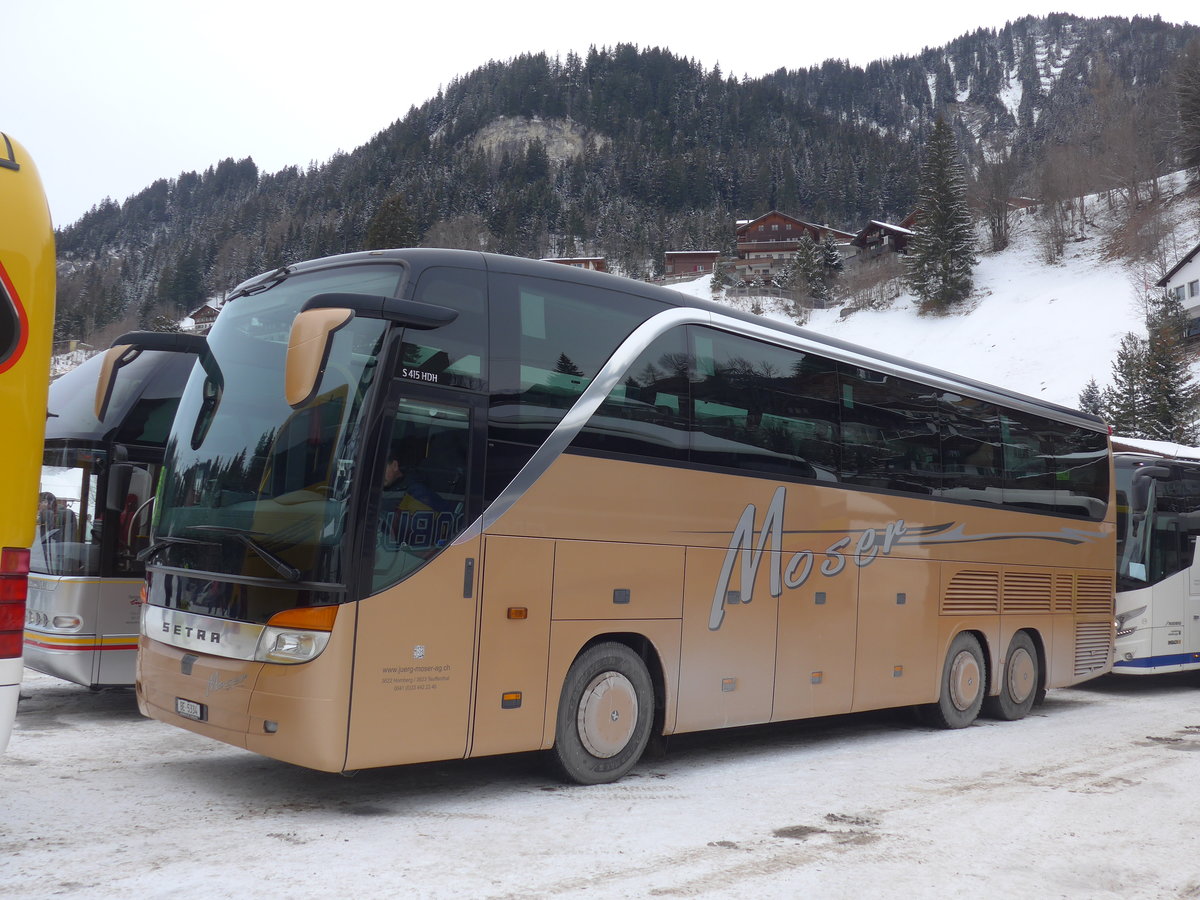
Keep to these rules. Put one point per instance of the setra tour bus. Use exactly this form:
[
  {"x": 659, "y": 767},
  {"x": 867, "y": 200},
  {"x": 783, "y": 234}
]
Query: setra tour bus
[
  {"x": 100, "y": 464},
  {"x": 431, "y": 504},
  {"x": 1158, "y": 581},
  {"x": 27, "y": 276}
]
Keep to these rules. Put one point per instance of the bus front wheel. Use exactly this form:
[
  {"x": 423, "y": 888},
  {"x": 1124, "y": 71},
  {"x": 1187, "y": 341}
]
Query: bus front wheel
[
  {"x": 962, "y": 685},
  {"x": 605, "y": 715},
  {"x": 1019, "y": 682}
]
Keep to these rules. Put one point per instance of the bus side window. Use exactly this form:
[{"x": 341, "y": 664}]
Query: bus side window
[
  {"x": 453, "y": 354},
  {"x": 647, "y": 413}
]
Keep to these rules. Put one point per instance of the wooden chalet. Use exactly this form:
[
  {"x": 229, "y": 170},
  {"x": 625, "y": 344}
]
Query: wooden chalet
[
  {"x": 877, "y": 236},
  {"x": 690, "y": 262},
  {"x": 595, "y": 263},
  {"x": 765, "y": 245},
  {"x": 203, "y": 316}
]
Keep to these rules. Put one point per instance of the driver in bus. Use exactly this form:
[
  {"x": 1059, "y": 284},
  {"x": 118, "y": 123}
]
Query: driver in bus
[
  {"x": 410, "y": 509},
  {"x": 401, "y": 477}
]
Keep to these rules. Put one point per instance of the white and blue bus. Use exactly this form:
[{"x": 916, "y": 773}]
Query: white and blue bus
[{"x": 1158, "y": 580}]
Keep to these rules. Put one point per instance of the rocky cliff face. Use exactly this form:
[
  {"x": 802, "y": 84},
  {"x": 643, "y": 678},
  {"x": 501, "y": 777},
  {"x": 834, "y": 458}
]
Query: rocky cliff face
[{"x": 563, "y": 139}]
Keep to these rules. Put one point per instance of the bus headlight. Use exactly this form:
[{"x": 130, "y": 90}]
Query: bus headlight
[
  {"x": 1123, "y": 617},
  {"x": 296, "y": 635},
  {"x": 287, "y": 645}
]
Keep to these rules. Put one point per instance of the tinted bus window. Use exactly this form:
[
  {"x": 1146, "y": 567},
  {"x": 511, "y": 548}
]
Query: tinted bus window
[
  {"x": 972, "y": 467},
  {"x": 454, "y": 354},
  {"x": 890, "y": 432},
  {"x": 1053, "y": 467},
  {"x": 647, "y": 414},
  {"x": 743, "y": 406},
  {"x": 549, "y": 339}
]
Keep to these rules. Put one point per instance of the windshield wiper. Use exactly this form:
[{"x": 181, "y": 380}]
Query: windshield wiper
[
  {"x": 162, "y": 543},
  {"x": 286, "y": 569},
  {"x": 263, "y": 283}
]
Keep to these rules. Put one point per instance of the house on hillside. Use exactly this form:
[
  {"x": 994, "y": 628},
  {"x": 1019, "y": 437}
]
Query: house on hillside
[
  {"x": 1183, "y": 281},
  {"x": 689, "y": 262},
  {"x": 203, "y": 317},
  {"x": 595, "y": 263},
  {"x": 766, "y": 245},
  {"x": 878, "y": 237}
]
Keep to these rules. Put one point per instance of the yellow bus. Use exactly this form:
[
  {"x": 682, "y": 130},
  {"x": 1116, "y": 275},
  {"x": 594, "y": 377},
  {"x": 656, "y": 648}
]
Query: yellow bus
[
  {"x": 428, "y": 504},
  {"x": 26, "y": 333}
]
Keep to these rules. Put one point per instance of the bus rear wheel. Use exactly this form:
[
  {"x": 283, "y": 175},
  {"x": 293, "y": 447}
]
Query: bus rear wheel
[
  {"x": 1019, "y": 682},
  {"x": 605, "y": 715},
  {"x": 962, "y": 686}
]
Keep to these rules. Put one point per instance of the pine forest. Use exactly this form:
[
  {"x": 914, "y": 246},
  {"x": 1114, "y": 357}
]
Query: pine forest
[{"x": 630, "y": 152}]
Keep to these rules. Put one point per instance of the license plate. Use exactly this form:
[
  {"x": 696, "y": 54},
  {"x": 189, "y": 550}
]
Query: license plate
[{"x": 190, "y": 709}]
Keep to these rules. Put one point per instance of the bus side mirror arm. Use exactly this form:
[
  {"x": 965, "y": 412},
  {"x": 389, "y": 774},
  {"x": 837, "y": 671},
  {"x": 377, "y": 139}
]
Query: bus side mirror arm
[{"x": 129, "y": 347}]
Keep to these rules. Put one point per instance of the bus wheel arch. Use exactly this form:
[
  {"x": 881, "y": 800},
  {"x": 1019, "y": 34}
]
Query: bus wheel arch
[
  {"x": 962, "y": 685},
  {"x": 609, "y": 705},
  {"x": 1020, "y": 681}
]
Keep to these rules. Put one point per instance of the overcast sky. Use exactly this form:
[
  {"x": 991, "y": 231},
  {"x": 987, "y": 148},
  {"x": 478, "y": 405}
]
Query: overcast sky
[{"x": 109, "y": 96}]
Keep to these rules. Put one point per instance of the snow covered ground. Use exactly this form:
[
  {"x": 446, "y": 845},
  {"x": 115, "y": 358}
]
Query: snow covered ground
[{"x": 1092, "y": 796}]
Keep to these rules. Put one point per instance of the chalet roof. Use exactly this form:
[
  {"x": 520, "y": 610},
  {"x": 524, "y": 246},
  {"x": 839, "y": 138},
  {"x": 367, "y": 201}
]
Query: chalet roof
[
  {"x": 206, "y": 310},
  {"x": 888, "y": 226},
  {"x": 692, "y": 252},
  {"x": 745, "y": 224},
  {"x": 1184, "y": 260}
]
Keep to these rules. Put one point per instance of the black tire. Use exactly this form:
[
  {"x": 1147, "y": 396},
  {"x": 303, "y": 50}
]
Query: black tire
[
  {"x": 1020, "y": 682},
  {"x": 964, "y": 680},
  {"x": 605, "y": 715}
]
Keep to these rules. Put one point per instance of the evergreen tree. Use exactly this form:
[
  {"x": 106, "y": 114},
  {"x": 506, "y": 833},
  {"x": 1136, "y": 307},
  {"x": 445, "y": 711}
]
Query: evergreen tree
[
  {"x": 806, "y": 273},
  {"x": 942, "y": 252},
  {"x": 1187, "y": 94},
  {"x": 1091, "y": 400},
  {"x": 567, "y": 366},
  {"x": 392, "y": 226},
  {"x": 1172, "y": 395},
  {"x": 832, "y": 265},
  {"x": 1125, "y": 400}
]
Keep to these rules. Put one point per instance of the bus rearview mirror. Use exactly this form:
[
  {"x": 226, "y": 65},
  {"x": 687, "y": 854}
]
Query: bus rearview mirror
[
  {"x": 308, "y": 351},
  {"x": 115, "y": 357}
]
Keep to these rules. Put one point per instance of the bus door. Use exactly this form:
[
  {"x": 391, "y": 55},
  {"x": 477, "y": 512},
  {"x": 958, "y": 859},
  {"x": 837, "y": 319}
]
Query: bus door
[
  {"x": 1188, "y": 504},
  {"x": 1170, "y": 520},
  {"x": 415, "y": 644}
]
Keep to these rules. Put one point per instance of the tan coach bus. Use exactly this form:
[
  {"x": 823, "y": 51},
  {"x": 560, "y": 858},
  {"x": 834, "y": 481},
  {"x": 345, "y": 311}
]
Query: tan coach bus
[{"x": 428, "y": 504}]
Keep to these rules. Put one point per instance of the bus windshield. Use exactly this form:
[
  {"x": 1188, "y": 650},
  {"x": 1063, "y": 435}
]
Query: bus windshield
[
  {"x": 253, "y": 488},
  {"x": 1157, "y": 502},
  {"x": 67, "y": 538}
]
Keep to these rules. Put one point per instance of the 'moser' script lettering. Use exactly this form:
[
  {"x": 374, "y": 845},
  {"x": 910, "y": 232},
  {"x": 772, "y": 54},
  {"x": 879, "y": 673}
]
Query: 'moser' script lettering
[{"x": 869, "y": 546}]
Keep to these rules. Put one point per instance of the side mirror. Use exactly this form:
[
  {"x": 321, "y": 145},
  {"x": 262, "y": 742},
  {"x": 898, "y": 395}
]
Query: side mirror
[
  {"x": 1142, "y": 479},
  {"x": 115, "y": 358},
  {"x": 129, "y": 347},
  {"x": 308, "y": 352},
  {"x": 324, "y": 314}
]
